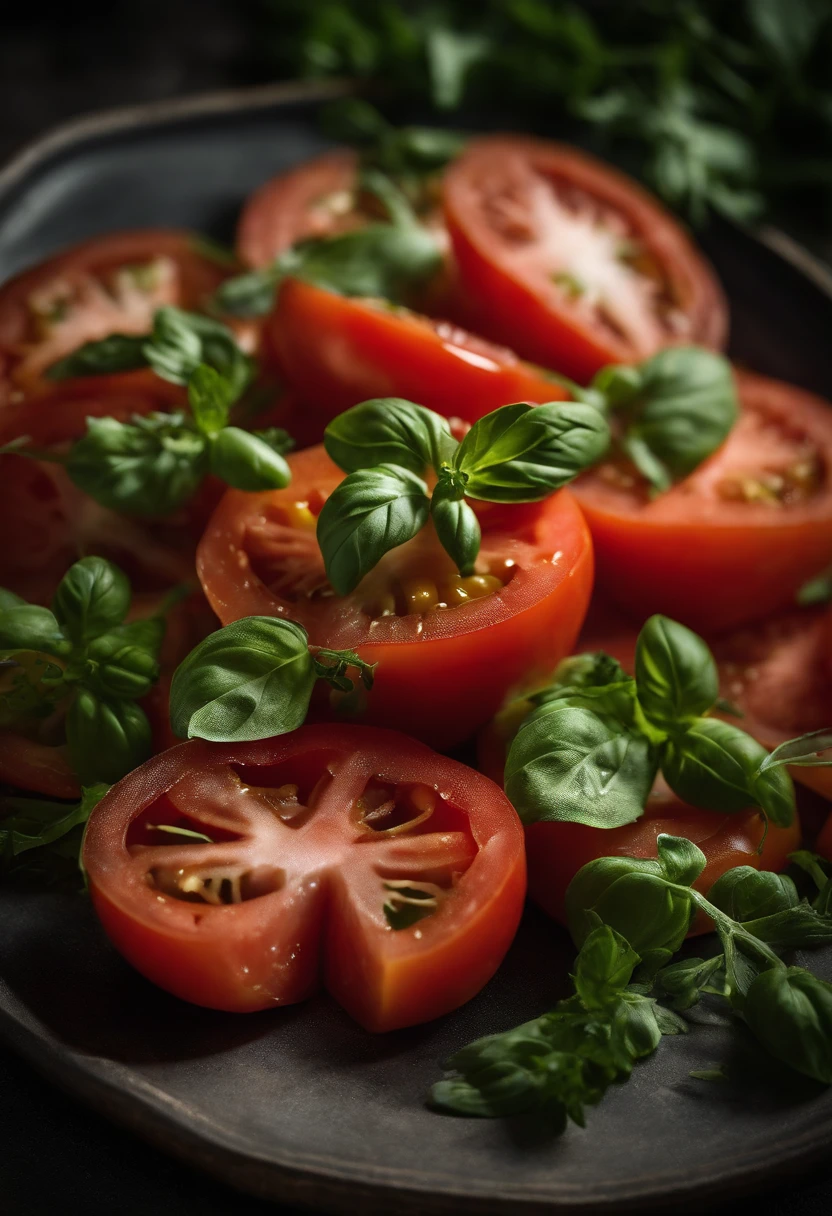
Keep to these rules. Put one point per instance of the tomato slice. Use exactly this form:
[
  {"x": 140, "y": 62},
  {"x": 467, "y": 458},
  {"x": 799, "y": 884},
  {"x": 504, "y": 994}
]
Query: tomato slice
[
  {"x": 443, "y": 670},
  {"x": 26, "y": 764},
  {"x": 571, "y": 263},
  {"x": 111, "y": 284},
  {"x": 311, "y": 835},
  {"x": 735, "y": 540},
  {"x": 338, "y": 351}
]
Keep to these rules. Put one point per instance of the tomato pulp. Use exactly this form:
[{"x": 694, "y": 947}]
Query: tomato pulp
[
  {"x": 735, "y": 540},
  {"x": 442, "y": 671},
  {"x": 337, "y": 351},
  {"x": 571, "y": 263},
  {"x": 321, "y": 846}
]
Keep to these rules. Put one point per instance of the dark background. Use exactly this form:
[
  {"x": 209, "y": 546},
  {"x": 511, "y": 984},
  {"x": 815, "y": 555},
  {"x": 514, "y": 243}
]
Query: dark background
[{"x": 57, "y": 62}]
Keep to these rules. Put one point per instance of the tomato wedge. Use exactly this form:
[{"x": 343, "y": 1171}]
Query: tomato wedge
[
  {"x": 735, "y": 540},
  {"x": 571, "y": 263},
  {"x": 443, "y": 669},
  {"x": 338, "y": 351},
  {"x": 111, "y": 284},
  {"x": 342, "y": 857}
]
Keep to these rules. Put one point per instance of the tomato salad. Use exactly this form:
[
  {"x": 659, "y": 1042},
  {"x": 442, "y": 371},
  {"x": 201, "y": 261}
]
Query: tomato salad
[{"x": 450, "y": 448}]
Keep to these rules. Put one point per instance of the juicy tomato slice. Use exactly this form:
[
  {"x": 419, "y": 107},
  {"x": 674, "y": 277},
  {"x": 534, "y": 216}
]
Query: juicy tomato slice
[
  {"x": 310, "y": 837},
  {"x": 26, "y": 764},
  {"x": 556, "y": 851},
  {"x": 338, "y": 351},
  {"x": 735, "y": 540},
  {"x": 111, "y": 284},
  {"x": 572, "y": 264},
  {"x": 443, "y": 670}
]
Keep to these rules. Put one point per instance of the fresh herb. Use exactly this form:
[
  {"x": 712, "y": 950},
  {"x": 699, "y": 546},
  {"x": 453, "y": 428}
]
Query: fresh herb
[
  {"x": 253, "y": 679},
  {"x": 407, "y": 154},
  {"x": 817, "y": 591},
  {"x": 594, "y": 741},
  {"x": 518, "y": 453},
  {"x": 35, "y": 824},
  {"x": 92, "y": 668}
]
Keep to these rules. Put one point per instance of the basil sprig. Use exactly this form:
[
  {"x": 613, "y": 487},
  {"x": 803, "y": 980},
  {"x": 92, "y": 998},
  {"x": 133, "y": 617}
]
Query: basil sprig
[
  {"x": 518, "y": 453},
  {"x": 595, "y": 740},
  {"x": 385, "y": 260},
  {"x": 90, "y": 665},
  {"x": 253, "y": 679},
  {"x": 629, "y": 917},
  {"x": 39, "y": 836},
  {"x": 154, "y": 464}
]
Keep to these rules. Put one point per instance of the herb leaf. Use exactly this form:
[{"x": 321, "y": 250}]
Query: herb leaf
[
  {"x": 115, "y": 353},
  {"x": 389, "y": 430},
  {"x": 676, "y": 674},
  {"x": 93, "y": 596},
  {"x": 247, "y": 461},
  {"x": 457, "y": 527},
  {"x": 801, "y": 752},
  {"x": 30, "y": 627},
  {"x": 107, "y": 737}
]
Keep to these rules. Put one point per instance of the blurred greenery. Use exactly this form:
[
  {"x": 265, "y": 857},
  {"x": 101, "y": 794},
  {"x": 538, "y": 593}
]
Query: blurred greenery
[{"x": 723, "y": 104}]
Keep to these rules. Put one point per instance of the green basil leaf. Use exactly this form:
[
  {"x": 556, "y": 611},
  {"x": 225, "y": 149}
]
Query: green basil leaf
[
  {"x": 115, "y": 353},
  {"x": 715, "y": 765},
  {"x": 801, "y": 752},
  {"x": 149, "y": 467},
  {"x": 676, "y": 675},
  {"x": 683, "y": 983},
  {"x": 250, "y": 680},
  {"x": 789, "y": 1011},
  {"x": 572, "y": 765},
  {"x": 250, "y": 294},
  {"x": 614, "y": 702},
  {"x": 8, "y": 599},
  {"x": 116, "y": 668},
  {"x": 681, "y": 860},
  {"x": 147, "y": 634},
  {"x": 181, "y": 341},
  {"x": 817, "y": 590},
  {"x": 107, "y": 737},
  {"x": 34, "y": 823},
  {"x": 210, "y": 397},
  {"x": 633, "y": 897},
  {"x": 521, "y": 453},
  {"x": 744, "y": 893},
  {"x": 30, "y": 627},
  {"x": 93, "y": 596},
  {"x": 801, "y": 927},
  {"x": 371, "y": 512},
  {"x": 604, "y": 967},
  {"x": 276, "y": 438},
  {"x": 457, "y": 527},
  {"x": 247, "y": 462},
  {"x": 380, "y": 261},
  {"x": 389, "y": 430}
]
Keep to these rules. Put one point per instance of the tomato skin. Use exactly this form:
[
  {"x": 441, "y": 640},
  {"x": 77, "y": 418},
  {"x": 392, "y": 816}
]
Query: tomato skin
[
  {"x": 525, "y": 310},
  {"x": 323, "y": 922},
  {"x": 38, "y": 767},
  {"x": 708, "y": 562},
  {"x": 338, "y": 351},
  {"x": 441, "y": 679}
]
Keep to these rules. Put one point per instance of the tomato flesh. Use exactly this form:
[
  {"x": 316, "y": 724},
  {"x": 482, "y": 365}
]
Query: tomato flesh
[
  {"x": 441, "y": 672},
  {"x": 311, "y": 835},
  {"x": 571, "y": 263}
]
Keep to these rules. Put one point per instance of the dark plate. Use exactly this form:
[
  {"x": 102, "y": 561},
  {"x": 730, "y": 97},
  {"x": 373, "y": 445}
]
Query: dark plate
[{"x": 300, "y": 1105}]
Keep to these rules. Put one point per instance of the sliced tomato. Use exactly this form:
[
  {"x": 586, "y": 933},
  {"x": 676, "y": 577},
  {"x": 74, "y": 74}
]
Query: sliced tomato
[
  {"x": 443, "y": 669},
  {"x": 323, "y": 845},
  {"x": 26, "y": 764},
  {"x": 735, "y": 540},
  {"x": 111, "y": 284},
  {"x": 571, "y": 263},
  {"x": 338, "y": 351}
]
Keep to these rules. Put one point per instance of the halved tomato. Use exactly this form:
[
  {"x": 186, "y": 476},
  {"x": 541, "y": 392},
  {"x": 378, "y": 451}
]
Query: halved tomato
[
  {"x": 111, "y": 284},
  {"x": 338, "y": 351},
  {"x": 571, "y": 263},
  {"x": 448, "y": 649},
  {"x": 735, "y": 540},
  {"x": 342, "y": 857}
]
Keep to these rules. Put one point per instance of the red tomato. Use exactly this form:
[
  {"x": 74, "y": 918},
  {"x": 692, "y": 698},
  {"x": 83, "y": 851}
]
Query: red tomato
[
  {"x": 556, "y": 851},
  {"x": 570, "y": 262},
  {"x": 111, "y": 284},
  {"x": 28, "y": 765},
  {"x": 338, "y": 351},
  {"x": 441, "y": 673},
  {"x": 735, "y": 540},
  {"x": 312, "y": 835}
]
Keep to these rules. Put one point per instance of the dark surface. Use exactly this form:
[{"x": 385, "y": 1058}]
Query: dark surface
[{"x": 279, "y": 1102}]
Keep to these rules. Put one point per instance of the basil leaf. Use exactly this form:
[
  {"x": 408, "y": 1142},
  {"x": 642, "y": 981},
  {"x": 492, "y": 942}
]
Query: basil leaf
[
  {"x": 381, "y": 261},
  {"x": 30, "y": 627},
  {"x": 34, "y": 823},
  {"x": 676, "y": 675},
  {"x": 116, "y": 668},
  {"x": 632, "y": 896},
  {"x": 457, "y": 527},
  {"x": 115, "y": 353},
  {"x": 107, "y": 737},
  {"x": 679, "y": 412},
  {"x": 389, "y": 430},
  {"x": 789, "y": 1011},
  {"x": 604, "y": 967},
  {"x": 247, "y": 462},
  {"x": 250, "y": 294},
  {"x": 521, "y": 453},
  {"x": 147, "y": 634},
  {"x": 8, "y": 599},
  {"x": 93, "y": 596},
  {"x": 210, "y": 397},
  {"x": 683, "y": 983},
  {"x": 250, "y": 680},
  {"x": 817, "y": 590},
  {"x": 716, "y": 765},
  {"x": 799, "y": 928},
  {"x": 574, "y": 766},
  {"x": 371, "y": 512},
  {"x": 745, "y": 894},
  {"x": 181, "y": 341},
  {"x": 801, "y": 752},
  {"x": 148, "y": 467},
  {"x": 680, "y": 859}
]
